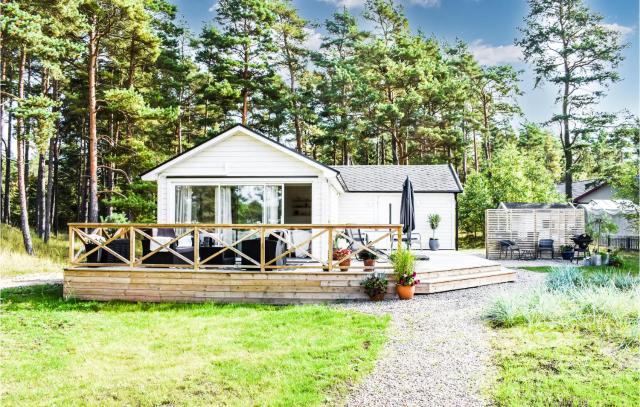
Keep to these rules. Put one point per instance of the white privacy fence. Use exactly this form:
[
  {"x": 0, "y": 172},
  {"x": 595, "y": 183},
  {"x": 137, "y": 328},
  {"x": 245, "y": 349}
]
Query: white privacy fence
[{"x": 527, "y": 226}]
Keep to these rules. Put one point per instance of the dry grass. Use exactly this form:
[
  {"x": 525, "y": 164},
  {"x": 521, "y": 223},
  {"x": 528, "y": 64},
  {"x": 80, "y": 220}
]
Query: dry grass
[{"x": 48, "y": 257}]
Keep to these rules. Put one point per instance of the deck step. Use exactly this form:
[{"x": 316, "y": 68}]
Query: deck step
[
  {"x": 458, "y": 271},
  {"x": 448, "y": 283}
]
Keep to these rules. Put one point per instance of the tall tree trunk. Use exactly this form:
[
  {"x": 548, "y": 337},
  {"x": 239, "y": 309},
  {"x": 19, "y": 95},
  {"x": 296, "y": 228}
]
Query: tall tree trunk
[
  {"x": 93, "y": 136},
  {"x": 54, "y": 198},
  {"x": 3, "y": 76},
  {"x": 566, "y": 143},
  {"x": 40, "y": 196},
  {"x": 22, "y": 191},
  {"x": 245, "y": 89},
  {"x": 394, "y": 147},
  {"x": 6, "y": 213},
  {"x": 475, "y": 152},
  {"x": 53, "y": 143},
  {"x": 292, "y": 89}
]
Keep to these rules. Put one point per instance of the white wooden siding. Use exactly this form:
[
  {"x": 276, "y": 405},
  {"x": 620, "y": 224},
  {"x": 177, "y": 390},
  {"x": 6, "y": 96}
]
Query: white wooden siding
[
  {"x": 241, "y": 155},
  {"x": 374, "y": 208}
]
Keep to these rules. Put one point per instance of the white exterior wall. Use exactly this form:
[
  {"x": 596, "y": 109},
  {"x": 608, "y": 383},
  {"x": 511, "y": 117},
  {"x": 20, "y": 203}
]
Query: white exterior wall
[
  {"x": 238, "y": 156},
  {"x": 369, "y": 207},
  {"x": 604, "y": 192}
]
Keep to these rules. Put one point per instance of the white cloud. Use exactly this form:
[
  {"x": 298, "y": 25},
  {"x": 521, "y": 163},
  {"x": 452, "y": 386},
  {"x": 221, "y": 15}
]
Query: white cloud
[
  {"x": 425, "y": 3},
  {"x": 314, "y": 39},
  {"x": 622, "y": 29},
  {"x": 213, "y": 7},
  {"x": 492, "y": 55},
  {"x": 346, "y": 3}
]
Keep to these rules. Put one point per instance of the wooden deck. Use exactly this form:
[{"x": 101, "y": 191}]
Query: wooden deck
[{"x": 446, "y": 270}]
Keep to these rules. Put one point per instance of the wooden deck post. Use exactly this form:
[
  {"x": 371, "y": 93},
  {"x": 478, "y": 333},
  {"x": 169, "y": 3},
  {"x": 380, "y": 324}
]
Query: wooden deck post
[
  {"x": 262, "y": 249},
  {"x": 132, "y": 246},
  {"x": 72, "y": 241},
  {"x": 330, "y": 246},
  {"x": 196, "y": 248}
]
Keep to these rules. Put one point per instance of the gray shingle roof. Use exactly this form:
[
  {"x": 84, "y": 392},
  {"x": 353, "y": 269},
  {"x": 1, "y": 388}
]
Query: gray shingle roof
[
  {"x": 389, "y": 178},
  {"x": 579, "y": 187}
]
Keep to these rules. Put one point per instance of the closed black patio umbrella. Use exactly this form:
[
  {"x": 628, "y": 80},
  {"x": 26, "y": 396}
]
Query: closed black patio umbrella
[{"x": 407, "y": 211}]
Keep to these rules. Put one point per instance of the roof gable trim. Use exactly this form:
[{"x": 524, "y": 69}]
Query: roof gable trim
[{"x": 152, "y": 174}]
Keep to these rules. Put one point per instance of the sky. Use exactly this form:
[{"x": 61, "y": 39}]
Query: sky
[{"x": 489, "y": 27}]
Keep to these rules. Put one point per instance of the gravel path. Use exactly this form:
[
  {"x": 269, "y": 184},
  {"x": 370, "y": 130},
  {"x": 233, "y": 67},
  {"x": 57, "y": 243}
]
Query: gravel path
[
  {"x": 438, "y": 352},
  {"x": 31, "y": 279}
]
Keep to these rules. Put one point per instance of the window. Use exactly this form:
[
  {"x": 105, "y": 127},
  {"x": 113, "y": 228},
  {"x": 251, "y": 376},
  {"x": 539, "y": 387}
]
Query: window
[
  {"x": 195, "y": 203},
  {"x": 226, "y": 204}
]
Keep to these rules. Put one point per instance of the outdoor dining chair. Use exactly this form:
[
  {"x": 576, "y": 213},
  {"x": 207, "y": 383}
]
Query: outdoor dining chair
[{"x": 545, "y": 245}]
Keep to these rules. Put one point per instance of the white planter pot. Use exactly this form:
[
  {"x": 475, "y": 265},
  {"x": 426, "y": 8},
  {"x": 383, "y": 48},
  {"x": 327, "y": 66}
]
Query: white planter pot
[{"x": 596, "y": 260}]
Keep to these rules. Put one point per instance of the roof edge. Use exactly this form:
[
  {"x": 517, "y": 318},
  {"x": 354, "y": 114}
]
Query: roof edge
[{"x": 228, "y": 129}]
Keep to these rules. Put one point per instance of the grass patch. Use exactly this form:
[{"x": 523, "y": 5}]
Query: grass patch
[
  {"x": 573, "y": 342},
  {"x": 48, "y": 257},
  {"x": 630, "y": 265},
  {"x": 58, "y": 352}
]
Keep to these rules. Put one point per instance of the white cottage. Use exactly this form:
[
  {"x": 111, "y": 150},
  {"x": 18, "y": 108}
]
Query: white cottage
[{"x": 243, "y": 177}]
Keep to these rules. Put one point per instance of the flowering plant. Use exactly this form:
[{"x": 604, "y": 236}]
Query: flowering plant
[
  {"x": 341, "y": 253},
  {"x": 408, "y": 280},
  {"x": 404, "y": 267}
]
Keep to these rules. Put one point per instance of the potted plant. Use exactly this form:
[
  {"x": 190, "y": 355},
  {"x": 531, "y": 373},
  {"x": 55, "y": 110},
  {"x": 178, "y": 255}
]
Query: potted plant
[
  {"x": 567, "y": 252},
  {"x": 369, "y": 259},
  {"x": 404, "y": 269},
  {"x": 340, "y": 254},
  {"x": 376, "y": 286},
  {"x": 434, "y": 222},
  {"x": 604, "y": 257}
]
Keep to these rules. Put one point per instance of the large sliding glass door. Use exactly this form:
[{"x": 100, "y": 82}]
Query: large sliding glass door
[{"x": 226, "y": 204}]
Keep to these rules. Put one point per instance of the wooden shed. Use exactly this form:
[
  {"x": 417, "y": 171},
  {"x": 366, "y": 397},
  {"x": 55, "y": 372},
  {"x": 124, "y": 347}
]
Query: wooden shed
[{"x": 527, "y": 223}]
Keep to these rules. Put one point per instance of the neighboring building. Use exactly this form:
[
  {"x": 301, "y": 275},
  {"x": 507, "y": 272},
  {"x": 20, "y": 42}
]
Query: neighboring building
[
  {"x": 587, "y": 190},
  {"x": 243, "y": 177}
]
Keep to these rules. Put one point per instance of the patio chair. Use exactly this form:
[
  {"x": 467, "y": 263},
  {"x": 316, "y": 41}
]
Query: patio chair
[
  {"x": 163, "y": 256},
  {"x": 415, "y": 237},
  {"x": 545, "y": 245},
  {"x": 273, "y": 247},
  {"x": 508, "y": 247}
]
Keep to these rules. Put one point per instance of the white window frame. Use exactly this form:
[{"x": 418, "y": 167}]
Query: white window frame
[{"x": 217, "y": 183}]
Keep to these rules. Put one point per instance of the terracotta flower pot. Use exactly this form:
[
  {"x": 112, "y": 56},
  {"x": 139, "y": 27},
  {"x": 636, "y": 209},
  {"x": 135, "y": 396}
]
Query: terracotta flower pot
[
  {"x": 344, "y": 264},
  {"x": 405, "y": 292},
  {"x": 377, "y": 297},
  {"x": 369, "y": 264}
]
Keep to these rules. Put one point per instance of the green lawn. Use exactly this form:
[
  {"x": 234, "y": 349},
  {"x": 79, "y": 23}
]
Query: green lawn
[
  {"x": 630, "y": 266},
  {"x": 14, "y": 261},
  {"x": 544, "y": 365},
  {"x": 575, "y": 342},
  {"x": 56, "y": 352}
]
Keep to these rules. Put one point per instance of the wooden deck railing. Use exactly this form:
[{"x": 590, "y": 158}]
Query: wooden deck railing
[{"x": 122, "y": 245}]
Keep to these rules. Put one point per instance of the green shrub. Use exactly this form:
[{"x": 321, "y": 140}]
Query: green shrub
[
  {"x": 375, "y": 284},
  {"x": 625, "y": 281},
  {"x": 564, "y": 278}
]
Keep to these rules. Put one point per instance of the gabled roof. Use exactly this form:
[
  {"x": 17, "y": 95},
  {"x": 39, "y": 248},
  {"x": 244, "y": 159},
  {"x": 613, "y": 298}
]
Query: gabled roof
[
  {"x": 581, "y": 188},
  {"x": 389, "y": 178},
  {"x": 152, "y": 174}
]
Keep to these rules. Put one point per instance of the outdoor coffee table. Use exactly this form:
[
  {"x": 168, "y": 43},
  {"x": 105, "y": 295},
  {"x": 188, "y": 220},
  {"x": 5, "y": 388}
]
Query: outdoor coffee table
[{"x": 527, "y": 254}]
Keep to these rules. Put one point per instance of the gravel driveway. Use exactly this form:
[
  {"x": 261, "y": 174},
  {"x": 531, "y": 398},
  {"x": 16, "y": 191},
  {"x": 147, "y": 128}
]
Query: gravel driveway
[{"x": 438, "y": 353}]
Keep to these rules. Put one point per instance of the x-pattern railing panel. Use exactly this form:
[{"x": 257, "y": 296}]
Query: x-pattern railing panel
[{"x": 109, "y": 233}]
